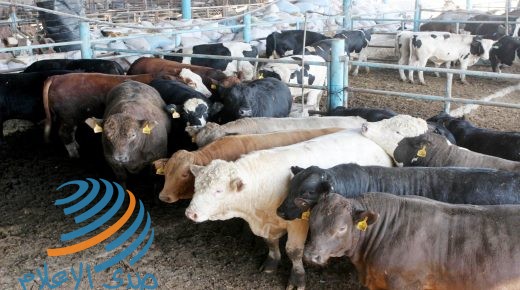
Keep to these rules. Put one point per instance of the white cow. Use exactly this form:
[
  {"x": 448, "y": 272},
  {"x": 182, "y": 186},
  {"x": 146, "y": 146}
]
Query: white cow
[
  {"x": 467, "y": 49},
  {"x": 315, "y": 75},
  {"x": 254, "y": 186}
]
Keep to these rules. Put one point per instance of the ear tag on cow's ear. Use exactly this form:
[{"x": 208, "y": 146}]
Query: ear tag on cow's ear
[
  {"x": 176, "y": 115},
  {"x": 160, "y": 171},
  {"x": 362, "y": 225},
  {"x": 260, "y": 76},
  {"x": 213, "y": 86},
  {"x": 306, "y": 215},
  {"x": 97, "y": 128},
  {"x": 147, "y": 130},
  {"x": 422, "y": 152}
]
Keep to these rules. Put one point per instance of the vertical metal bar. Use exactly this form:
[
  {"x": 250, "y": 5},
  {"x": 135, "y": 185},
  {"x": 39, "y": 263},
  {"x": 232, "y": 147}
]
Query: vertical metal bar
[
  {"x": 247, "y": 27},
  {"x": 336, "y": 73},
  {"x": 469, "y": 5},
  {"x": 186, "y": 9},
  {"x": 457, "y": 27},
  {"x": 345, "y": 80},
  {"x": 84, "y": 35},
  {"x": 303, "y": 62},
  {"x": 346, "y": 14},
  {"x": 508, "y": 7},
  {"x": 417, "y": 16},
  {"x": 449, "y": 82}
]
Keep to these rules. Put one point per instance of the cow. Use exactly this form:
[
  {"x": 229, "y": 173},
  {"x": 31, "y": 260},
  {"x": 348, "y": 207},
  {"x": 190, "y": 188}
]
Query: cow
[
  {"x": 289, "y": 42},
  {"x": 266, "y": 97},
  {"x": 439, "y": 26},
  {"x": 83, "y": 65},
  {"x": 467, "y": 49},
  {"x": 229, "y": 67},
  {"x": 448, "y": 184},
  {"x": 486, "y": 141},
  {"x": 493, "y": 31},
  {"x": 134, "y": 128},
  {"x": 212, "y": 131},
  {"x": 255, "y": 185},
  {"x": 21, "y": 96},
  {"x": 356, "y": 42},
  {"x": 411, "y": 242},
  {"x": 505, "y": 51},
  {"x": 314, "y": 75},
  {"x": 70, "y": 99},
  {"x": 369, "y": 114},
  {"x": 179, "y": 180}
]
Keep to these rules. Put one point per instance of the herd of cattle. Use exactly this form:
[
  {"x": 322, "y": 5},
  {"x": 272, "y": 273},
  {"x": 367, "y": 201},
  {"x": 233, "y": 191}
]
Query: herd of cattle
[{"x": 236, "y": 153}]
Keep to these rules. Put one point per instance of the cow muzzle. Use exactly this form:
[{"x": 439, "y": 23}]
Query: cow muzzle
[
  {"x": 123, "y": 158},
  {"x": 245, "y": 113},
  {"x": 167, "y": 198},
  {"x": 191, "y": 214}
]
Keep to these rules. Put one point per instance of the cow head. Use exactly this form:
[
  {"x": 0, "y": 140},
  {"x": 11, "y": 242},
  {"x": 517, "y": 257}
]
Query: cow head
[
  {"x": 237, "y": 102},
  {"x": 178, "y": 182},
  {"x": 389, "y": 132},
  {"x": 411, "y": 151},
  {"x": 218, "y": 188},
  {"x": 481, "y": 47},
  {"x": 336, "y": 225},
  {"x": 306, "y": 187},
  {"x": 205, "y": 135},
  {"x": 268, "y": 74}
]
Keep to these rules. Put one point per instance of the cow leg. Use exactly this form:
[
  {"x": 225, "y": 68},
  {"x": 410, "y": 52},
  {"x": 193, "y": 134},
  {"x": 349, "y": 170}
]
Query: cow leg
[
  {"x": 463, "y": 66},
  {"x": 363, "y": 56},
  {"x": 411, "y": 72},
  {"x": 296, "y": 236},
  {"x": 437, "y": 75},
  {"x": 2, "y": 141},
  {"x": 273, "y": 258},
  {"x": 420, "y": 73},
  {"x": 313, "y": 98},
  {"x": 402, "y": 61},
  {"x": 68, "y": 137}
]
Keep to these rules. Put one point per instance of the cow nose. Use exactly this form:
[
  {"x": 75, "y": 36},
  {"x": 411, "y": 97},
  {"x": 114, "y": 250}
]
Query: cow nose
[
  {"x": 245, "y": 112},
  {"x": 316, "y": 259},
  {"x": 364, "y": 128},
  {"x": 191, "y": 214},
  {"x": 165, "y": 198},
  {"x": 121, "y": 158}
]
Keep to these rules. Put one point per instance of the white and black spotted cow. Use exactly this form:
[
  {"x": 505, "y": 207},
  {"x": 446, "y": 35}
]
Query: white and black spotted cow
[
  {"x": 506, "y": 51},
  {"x": 467, "y": 49},
  {"x": 229, "y": 67},
  {"x": 292, "y": 73}
]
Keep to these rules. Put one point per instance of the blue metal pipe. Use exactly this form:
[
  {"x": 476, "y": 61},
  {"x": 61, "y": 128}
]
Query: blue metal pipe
[
  {"x": 247, "y": 27},
  {"x": 346, "y": 14},
  {"x": 186, "y": 9},
  {"x": 84, "y": 35},
  {"x": 469, "y": 5},
  {"x": 417, "y": 15},
  {"x": 336, "y": 95}
]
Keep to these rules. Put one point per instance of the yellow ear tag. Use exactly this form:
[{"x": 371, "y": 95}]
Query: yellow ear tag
[
  {"x": 160, "y": 171},
  {"x": 98, "y": 129},
  {"x": 260, "y": 76},
  {"x": 306, "y": 215},
  {"x": 147, "y": 130},
  {"x": 176, "y": 115},
  {"x": 213, "y": 86},
  {"x": 362, "y": 225},
  {"x": 422, "y": 152}
]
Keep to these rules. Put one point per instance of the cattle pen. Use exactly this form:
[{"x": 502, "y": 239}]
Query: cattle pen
[{"x": 215, "y": 254}]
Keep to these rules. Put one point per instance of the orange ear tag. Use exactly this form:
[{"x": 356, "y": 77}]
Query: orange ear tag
[{"x": 306, "y": 215}]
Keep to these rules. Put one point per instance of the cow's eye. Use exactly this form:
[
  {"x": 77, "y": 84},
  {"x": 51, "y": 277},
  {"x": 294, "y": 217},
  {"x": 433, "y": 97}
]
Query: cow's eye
[
  {"x": 342, "y": 229},
  {"x": 218, "y": 191},
  {"x": 185, "y": 175}
]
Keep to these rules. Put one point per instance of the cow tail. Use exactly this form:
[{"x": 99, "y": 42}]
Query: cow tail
[{"x": 48, "y": 119}]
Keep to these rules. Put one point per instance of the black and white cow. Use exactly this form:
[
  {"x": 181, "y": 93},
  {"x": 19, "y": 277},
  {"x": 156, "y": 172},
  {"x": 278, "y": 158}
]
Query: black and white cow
[
  {"x": 356, "y": 42},
  {"x": 467, "y": 49},
  {"x": 492, "y": 31},
  {"x": 491, "y": 142},
  {"x": 315, "y": 75},
  {"x": 85, "y": 65},
  {"x": 448, "y": 184},
  {"x": 290, "y": 42},
  {"x": 229, "y": 67},
  {"x": 267, "y": 97},
  {"x": 506, "y": 51}
]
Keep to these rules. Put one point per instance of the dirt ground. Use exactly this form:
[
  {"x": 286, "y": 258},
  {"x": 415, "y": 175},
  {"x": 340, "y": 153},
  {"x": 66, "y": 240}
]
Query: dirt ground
[{"x": 184, "y": 255}]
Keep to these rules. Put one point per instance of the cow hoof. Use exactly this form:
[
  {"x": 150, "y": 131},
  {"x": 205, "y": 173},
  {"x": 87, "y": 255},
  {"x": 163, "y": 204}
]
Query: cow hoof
[
  {"x": 73, "y": 150},
  {"x": 354, "y": 74},
  {"x": 422, "y": 83},
  {"x": 269, "y": 266},
  {"x": 411, "y": 81},
  {"x": 296, "y": 281},
  {"x": 403, "y": 80}
]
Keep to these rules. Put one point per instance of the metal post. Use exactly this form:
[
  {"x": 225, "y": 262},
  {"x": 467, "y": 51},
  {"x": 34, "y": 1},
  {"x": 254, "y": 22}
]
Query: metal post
[
  {"x": 247, "y": 27},
  {"x": 84, "y": 35},
  {"x": 469, "y": 5},
  {"x": 417, "y": 16},
  {"x": 346, "y": 14},
  {"x": 508, "y": 7},
  {"x": 186, "y": 9},
  {"x": 336, "y": 73},
  {"x": 345, "y": 80},
  {"x": 449, "y": 82}
]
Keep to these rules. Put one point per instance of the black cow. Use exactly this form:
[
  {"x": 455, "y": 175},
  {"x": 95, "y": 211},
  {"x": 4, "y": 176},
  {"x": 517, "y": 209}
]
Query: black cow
[
  {"x": 448, "y": 184},
  {"x": 369, "y": 114},
  {"x": 84, "y": 65},
  {"x": 290, "y": 42},
  {"x": 491, "y": 142},
  {"x": 488, "y": 30},
  {"x": 21, "y": 96},
  {"x": 506, "y": 51},
  {"x": 229, "y": 67},
  {"x": 267, "y": 97}
]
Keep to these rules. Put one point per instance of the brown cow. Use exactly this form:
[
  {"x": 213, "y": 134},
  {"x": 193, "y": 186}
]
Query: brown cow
[
  {"x": 179, "y": 179},
  {"x": 412, "y": 242},
  {"x": 70, "y": 99},
  {"x": 438, "y": 26},
  {"x": 135, "y": 128}
]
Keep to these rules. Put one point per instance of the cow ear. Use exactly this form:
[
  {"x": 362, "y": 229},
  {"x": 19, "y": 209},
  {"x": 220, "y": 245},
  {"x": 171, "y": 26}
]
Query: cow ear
[
  {"x": 159, "y": 165},
  {"x": 95, "y": 124},
  {"x": 364, "y": 218},
  {"x": 304, "y": 203},
  {"x": 173, "y": 110},
  {"x": 196, "y": 169},
  {"x": 325, "y": 187},
  {"x": 237, "y": 184},
  {"x": 147, "y": 126},
  {"x": 296, "y": 169}
]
